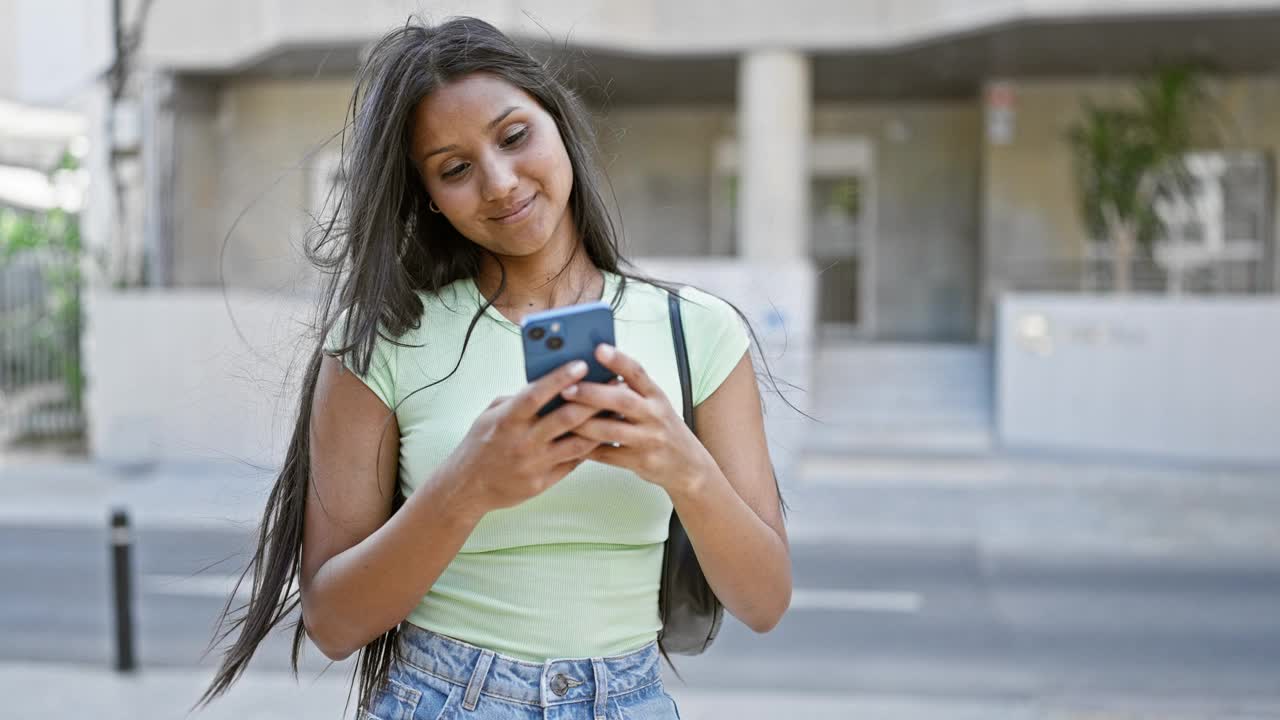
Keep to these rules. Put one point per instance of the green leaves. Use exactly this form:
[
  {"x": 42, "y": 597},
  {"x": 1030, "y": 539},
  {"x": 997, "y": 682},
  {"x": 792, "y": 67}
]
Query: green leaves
[
  {"x": 56, "y": 230},
  {"x": 1128, "y": 156}
]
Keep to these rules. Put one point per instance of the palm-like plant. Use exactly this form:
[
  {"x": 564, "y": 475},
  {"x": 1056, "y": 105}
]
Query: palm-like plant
[{"x": 1126, "y": 158}]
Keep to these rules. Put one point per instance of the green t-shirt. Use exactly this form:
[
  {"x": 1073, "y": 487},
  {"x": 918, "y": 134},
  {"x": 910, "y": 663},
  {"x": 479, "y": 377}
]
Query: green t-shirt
[{"x": 574, "y": 571}]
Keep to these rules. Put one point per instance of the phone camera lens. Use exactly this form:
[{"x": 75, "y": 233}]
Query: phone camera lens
[
  {"x": 555, "y": 343},
  {"x": 537, "y": 333}
]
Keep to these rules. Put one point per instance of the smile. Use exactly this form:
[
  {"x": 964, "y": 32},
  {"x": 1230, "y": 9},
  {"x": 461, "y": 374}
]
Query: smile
[{"x": 518, "y": 214}]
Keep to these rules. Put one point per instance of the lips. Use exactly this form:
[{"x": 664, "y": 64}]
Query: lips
[{"x": 514, "y": 211}]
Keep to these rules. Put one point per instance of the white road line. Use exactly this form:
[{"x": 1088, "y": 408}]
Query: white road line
[
  {"x": 856, "y": 600},
  {"x": 202, "y": 585},
  {"x": 220, "y": 586}
]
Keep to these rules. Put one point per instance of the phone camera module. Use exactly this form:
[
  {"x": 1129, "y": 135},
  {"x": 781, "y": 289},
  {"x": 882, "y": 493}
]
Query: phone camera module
[
  {"x": 555, "y": 343},
  {"x": 537, "y": 333}
]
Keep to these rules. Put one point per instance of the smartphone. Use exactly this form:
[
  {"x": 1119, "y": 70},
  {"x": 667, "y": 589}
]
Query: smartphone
[{"x": 554, "y": 338}]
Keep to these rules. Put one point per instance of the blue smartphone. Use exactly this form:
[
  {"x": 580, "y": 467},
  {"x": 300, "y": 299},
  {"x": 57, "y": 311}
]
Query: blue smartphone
[{"x": 554, "y": 338}]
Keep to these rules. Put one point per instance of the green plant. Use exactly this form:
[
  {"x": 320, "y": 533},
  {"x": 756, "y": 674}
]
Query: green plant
[
  {"x": 1128, "y": 157},
  {"x": 52, "y": 325}
]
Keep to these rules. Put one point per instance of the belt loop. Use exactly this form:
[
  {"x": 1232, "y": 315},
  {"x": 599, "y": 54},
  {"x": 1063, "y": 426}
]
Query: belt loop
[
  {"x": 602, "y": 688},
  {"x": 544, "y": 683},
  {"x": 472, "y": 698}
]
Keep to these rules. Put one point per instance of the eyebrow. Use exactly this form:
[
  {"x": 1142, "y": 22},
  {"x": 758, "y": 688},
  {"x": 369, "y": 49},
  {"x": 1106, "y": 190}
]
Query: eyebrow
[{"x": 502, "y": 116}]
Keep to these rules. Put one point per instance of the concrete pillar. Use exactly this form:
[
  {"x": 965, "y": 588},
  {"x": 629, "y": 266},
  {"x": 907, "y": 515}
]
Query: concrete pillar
[{"x": 774, "y": 109}]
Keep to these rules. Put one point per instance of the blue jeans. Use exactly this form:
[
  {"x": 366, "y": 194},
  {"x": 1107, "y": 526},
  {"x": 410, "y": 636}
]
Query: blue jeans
[{"x": 438, "y": 677}]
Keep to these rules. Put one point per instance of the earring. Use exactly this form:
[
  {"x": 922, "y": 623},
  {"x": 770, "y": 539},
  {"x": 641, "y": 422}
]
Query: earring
[{"x": 432, "y": 204}]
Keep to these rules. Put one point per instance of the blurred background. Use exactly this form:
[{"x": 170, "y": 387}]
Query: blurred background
[{"x": 1018, "y": 261}]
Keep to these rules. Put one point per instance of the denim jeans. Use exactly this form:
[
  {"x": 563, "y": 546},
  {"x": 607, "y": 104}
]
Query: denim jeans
[{"x": 439, "y": 678}]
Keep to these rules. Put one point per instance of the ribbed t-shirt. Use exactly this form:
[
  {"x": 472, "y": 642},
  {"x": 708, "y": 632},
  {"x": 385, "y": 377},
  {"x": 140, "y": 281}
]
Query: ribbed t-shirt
[{"x": 574, "y": 571}]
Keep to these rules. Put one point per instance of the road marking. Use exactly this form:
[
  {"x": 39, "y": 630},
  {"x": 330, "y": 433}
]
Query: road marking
[
  {"x": 856, "y": 600},
  {"x": 220, "y": 586},
  {"x": 203, "y": 585},
  {"x": 943, "y": 471}
]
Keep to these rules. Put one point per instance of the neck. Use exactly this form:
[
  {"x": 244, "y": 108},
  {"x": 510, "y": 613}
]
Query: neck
[{"x": 549, "y": 279}]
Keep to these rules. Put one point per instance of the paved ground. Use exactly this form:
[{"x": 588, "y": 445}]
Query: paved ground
[{"x": 1002, "y": 509}]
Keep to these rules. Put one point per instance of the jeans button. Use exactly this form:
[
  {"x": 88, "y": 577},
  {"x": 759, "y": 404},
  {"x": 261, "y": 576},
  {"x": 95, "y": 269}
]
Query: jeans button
[{"x": 559, "y": 684}]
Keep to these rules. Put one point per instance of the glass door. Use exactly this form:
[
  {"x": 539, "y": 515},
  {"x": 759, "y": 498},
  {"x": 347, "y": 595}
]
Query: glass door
[{"x": 838, "y": 235}]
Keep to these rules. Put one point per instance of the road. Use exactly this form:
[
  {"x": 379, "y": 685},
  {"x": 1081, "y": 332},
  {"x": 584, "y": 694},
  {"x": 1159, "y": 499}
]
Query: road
[{"x": 887, "y": 618}]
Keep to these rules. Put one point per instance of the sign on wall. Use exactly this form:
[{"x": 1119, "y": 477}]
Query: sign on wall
[{"x": 1001, "y": 115}]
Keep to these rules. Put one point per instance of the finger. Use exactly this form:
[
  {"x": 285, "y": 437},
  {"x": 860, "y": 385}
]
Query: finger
[
  {"x": 571, "y": 448},
  {"x": 607, "y": 431},
  {"x": 498, "y": 401},
  {"x": 563, "y": 419},
  {"x": 567, "y": 467},
  {"x": 539, "y": 392},
  {"x": 620, "y": 398},
  {"x": 630, "y": 370},
  {"x": 618, "y": 457}
]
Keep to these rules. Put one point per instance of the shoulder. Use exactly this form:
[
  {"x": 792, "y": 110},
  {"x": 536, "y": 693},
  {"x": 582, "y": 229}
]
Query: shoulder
[
  {"x": 701, "y": 301},
  {"x": 436, "y": 306},
  {"x": 706, "y": 314},
  {"x": 716, "y": 338}
]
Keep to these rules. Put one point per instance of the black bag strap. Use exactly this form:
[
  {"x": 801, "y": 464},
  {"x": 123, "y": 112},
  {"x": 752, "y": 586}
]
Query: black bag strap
[{"x": 682, "y": 357}]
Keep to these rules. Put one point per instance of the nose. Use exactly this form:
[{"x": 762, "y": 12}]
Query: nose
[{"x": 499, "y": 179}]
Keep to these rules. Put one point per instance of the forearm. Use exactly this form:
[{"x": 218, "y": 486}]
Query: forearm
[
  {"x": 745, "y": 561},
  {"x": 362, "y": 592}
]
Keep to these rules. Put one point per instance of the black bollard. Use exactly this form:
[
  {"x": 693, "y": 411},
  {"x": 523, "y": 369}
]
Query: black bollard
[{"x": 121, "y": 543}]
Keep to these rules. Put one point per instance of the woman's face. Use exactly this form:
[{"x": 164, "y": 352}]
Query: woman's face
[{"x": 492, "y": 160}]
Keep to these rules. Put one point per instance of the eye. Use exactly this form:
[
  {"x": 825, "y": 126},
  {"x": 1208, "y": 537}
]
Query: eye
[
  {"x": 454, "y": 171},
  {"x": 515, "y": 138}
]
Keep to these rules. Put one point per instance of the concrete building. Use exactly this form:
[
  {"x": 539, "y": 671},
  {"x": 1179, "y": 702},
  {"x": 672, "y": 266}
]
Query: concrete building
[
  {"x": 855, "y": 134},
  {"x": 866, "y": 177}
]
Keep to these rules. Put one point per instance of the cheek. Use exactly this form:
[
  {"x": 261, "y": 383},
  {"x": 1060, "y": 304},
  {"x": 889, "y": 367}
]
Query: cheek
[
  {"x": 453, "y": 200},
  {"x": 558, "y": 171}
]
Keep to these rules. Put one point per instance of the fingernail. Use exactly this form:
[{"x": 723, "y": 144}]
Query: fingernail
[
  {"x": 578, "y": 367},
  {"x": 606, "y": 351},
  {"x": 570, "y": 391}
]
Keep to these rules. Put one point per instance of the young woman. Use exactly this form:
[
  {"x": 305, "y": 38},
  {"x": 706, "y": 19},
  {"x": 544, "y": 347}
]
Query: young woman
[{"x": 485, "y": 561}]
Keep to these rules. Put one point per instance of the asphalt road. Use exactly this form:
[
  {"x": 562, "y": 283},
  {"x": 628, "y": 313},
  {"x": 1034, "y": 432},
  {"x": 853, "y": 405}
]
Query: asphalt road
[{"x": 885, "y": 619}]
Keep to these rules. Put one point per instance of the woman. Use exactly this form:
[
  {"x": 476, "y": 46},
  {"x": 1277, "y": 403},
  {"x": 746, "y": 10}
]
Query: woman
[{"x": 479, "y": 557}]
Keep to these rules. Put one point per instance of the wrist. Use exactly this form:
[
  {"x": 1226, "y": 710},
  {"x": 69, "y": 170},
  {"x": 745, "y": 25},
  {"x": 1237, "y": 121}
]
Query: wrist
[
  {"x": 694, "y": 484},
  {"x": 454, "y": 493}
]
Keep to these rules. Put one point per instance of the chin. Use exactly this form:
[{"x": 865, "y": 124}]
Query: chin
[
  {"x": 526, "y": 241},
  {"x": 525, "y": 244}
]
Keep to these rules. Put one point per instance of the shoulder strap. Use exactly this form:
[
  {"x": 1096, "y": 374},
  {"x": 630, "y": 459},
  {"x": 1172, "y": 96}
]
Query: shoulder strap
[{"x": 682, "y": 357}]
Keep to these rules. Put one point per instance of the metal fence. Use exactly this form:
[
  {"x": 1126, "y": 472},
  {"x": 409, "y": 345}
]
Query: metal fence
[
  {"x": 1093, "y": 274},
  {"x": 40, "y": 371}
]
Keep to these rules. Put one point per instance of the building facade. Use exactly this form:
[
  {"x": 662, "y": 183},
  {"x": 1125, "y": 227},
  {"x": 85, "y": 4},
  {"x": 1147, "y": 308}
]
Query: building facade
[
  {"x": 855, "y": 172},
  {"x": 912, "y": 154}
]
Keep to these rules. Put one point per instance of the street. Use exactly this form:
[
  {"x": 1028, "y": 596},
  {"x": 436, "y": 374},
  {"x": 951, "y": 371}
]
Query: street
[{"x": 891, "y": 618}]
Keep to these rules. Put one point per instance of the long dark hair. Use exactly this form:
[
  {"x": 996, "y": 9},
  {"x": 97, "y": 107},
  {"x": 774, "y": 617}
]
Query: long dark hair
[{"x": 379, "y": 247}]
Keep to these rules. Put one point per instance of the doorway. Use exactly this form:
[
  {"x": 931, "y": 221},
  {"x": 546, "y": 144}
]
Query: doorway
[{"x": 841, "y": 229}]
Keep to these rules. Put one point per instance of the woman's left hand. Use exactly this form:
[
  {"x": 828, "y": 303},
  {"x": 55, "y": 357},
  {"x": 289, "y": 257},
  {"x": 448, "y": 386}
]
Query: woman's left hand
[{"x": 652, "y": 439}]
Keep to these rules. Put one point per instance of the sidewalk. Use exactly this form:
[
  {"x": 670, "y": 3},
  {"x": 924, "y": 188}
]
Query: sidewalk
[
  {"x": 206, "y": 494},
  {"x": 1040, "y": 505},
  {"x": 1043, "y": 505}
]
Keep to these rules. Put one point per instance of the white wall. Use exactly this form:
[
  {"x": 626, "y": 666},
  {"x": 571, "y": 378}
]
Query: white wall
[
  {"x": 1191, "y": 378},
  {"x": 168, "y": 376},
  {"x": 51, "y": 51}
]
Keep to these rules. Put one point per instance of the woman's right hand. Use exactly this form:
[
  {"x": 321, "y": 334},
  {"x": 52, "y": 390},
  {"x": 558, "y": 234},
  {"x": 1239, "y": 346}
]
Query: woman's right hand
[{"x": 510, "y": 454}]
